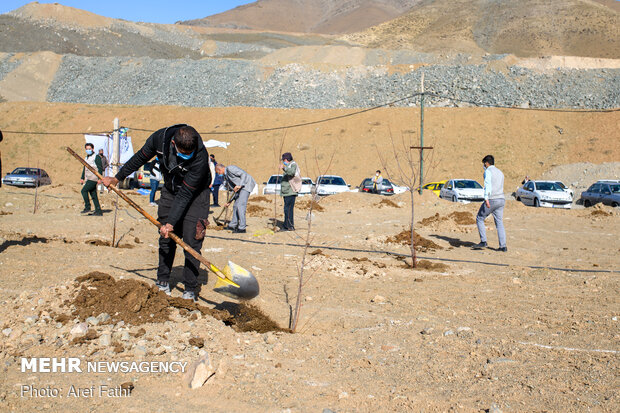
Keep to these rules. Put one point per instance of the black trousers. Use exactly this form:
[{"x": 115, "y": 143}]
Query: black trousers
[
  {"x": 185, "y": 229},
  {"x": 289, "y": 209}
]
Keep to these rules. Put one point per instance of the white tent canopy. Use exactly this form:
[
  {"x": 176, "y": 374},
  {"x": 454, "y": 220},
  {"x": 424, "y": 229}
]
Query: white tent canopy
[{"x": 212, "y": 143}]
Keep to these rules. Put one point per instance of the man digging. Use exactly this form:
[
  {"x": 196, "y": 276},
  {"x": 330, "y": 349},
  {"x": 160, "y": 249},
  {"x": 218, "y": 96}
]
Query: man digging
[{"x": 184, "y": 202}]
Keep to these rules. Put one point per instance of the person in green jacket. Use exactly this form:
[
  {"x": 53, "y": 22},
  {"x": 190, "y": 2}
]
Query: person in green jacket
[
  {"x": 290, "y": 171},
  {"x": 89, "y": 180}
]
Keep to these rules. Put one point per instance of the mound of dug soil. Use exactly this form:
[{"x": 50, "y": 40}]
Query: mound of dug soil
[
  {"x": 132, "y": 301},
  {"x": 459, "y": 218},
  {"x": 136, "y": 302},
  {"x": 387, "y": 203},
  {"x": 260, "y": 199},
  {"x": 256, "y": 210},
  {"x": 305, "y": 205},
  {"x": 422, "y": 244},
  {"x": 431, "y": 266}
]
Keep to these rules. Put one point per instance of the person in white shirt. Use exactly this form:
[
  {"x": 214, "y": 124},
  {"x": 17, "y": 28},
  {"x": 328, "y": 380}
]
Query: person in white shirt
[{"x": 494, "y": 202}]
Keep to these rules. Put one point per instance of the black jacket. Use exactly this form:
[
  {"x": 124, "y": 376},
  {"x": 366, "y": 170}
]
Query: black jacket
[{"x": 185, "y": 179}]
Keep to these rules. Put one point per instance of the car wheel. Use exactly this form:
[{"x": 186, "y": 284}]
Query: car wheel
[
  {"x": 587, "y": 203},
  {"x": 454, "y": 198},
  {"x": 536, "y": 203},
  {"x": 615, "y": 204},
  {"x": 519, "y": 199}
]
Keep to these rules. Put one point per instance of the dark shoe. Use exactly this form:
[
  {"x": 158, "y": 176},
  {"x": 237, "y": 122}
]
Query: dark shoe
[
  {"x": 503, "y": 249},
  {"x": 96, "y": 214},
  {"x": 215, "y": 205},
  {"x": 233, "y": 229},
  {"x": 85, "y": 211},
  {"x": 479, "y": 246},
  {"x": 238, "y": 231}
]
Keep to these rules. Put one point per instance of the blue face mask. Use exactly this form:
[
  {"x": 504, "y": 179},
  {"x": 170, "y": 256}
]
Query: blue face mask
[
  {"x": 185, "y": 157},
  {"x": 89, "y": 151}
]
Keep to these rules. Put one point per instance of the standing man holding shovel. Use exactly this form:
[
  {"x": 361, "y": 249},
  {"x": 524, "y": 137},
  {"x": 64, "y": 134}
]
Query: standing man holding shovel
[
  {"x": 242, "y": 185},
  {"x": 184, "y": 202}
]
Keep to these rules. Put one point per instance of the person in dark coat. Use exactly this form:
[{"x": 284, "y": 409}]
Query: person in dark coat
[{"x": 184, "y": 201}]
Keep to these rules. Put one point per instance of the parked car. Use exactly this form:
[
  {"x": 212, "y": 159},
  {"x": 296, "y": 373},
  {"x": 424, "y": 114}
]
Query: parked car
[
  {"x": 385, "y": 188},
  {"x": 399, "y": 189},
  {"x": 605, "y": 191},
  {"x": 30, "y": 177},
  {"x": 570, "y": 191},
  {"x": 143, "y": 178},
  {"x": 272, "y": 186},
  {"x": 435, "y": 186},
  {"x": 331, "y": 184},
  {"x": 462, "y": 190},
  {"x": 544, "y": 194}
]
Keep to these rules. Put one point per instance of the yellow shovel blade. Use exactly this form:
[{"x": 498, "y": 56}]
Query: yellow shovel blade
[{"x": 236, "y": 282}]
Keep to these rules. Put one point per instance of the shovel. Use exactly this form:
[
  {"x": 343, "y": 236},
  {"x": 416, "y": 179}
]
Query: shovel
[
  {"x": 234, "y": 281},
  {"x": 224, "y": 211}
]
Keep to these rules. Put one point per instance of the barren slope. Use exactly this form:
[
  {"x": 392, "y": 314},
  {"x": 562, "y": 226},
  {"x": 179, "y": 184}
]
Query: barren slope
[
  {"x": 523, "y": 28},
  {"x": 321, "y": 16},
  {"x": 524, "y": 142}
]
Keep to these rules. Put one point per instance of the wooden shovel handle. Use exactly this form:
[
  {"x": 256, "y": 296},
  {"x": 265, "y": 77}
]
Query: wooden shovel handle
[{"x": 172, "y": 235}]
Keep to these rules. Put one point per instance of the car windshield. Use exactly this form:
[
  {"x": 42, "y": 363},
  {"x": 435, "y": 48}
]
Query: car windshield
[
  {"x": 548, "y": 186},
  {"x": 615, "y": 188},
  {"x": 386, "y": 182},
  {"x": 332, "y": 180},
  {"x": 561, "y": 185},
  {"x": 467, "y": 184},
  {"x": 275, "y": 179},
  {"x": 307, "y": 181},
  {"x": 25, "y": 171}
]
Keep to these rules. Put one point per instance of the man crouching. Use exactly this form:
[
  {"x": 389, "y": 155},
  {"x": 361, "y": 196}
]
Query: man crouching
[{"x": 184, "y": 203}]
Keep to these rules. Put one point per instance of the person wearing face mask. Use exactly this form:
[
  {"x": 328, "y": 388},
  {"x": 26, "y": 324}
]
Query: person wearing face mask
[
  {"x": 494, "y": 202},
  {"x": 377, "y": 180},
  {"x": 89, "y": 180},
  {"x": 290, "y": 187},
  {"x": 184, "y": 201}
]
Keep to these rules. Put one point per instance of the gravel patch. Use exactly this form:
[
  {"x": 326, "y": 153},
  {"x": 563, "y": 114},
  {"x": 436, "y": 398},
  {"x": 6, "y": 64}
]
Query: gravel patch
[
  {"x": 7, "y": 65},
  {"x": 234, "y": 82},
  {"x": 581, "y": 175}
]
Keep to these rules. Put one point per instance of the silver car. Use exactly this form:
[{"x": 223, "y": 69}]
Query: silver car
[
  {"x": 544, "y": 194},
  {"x": 273, "y": 186},
  {"x": 607, "y": 192},
  {"x": 30, "y": 177},
  {"x": 462, "y": 190}
]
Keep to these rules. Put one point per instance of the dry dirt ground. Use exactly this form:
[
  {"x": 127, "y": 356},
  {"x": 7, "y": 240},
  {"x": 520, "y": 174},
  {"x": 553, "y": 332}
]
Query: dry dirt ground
[
  {"x": 533, "y": 329},
  {"x": 523, "y": 142}
]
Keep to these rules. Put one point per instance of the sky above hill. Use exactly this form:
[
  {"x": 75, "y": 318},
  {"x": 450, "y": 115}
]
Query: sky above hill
[{"x": 151, "y": 11}]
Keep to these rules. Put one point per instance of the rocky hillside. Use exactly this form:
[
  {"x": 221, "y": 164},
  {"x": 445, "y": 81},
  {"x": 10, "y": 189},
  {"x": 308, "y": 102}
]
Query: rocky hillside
[
  {"x": 49, "y": 52},
  {"x": 317, "y": 16},
  {"x": 522, "y": 28}
]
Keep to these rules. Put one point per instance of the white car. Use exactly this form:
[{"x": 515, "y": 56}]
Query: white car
[
  {"x": 399, "y": 189},
  {"x": 544, "y": 194},
  {"x": 330, "y": 185},
  {"x": 273, "y": 186},
  {"x": 462, "y": 190}
]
